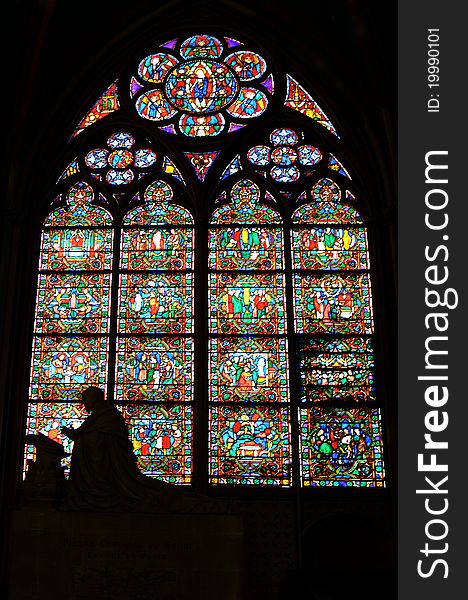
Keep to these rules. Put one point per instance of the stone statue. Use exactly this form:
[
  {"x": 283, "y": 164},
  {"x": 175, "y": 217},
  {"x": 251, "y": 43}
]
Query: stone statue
[{"x": 104, "y": 474}]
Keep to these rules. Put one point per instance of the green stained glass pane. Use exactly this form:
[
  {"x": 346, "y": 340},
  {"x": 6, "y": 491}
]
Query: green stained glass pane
[
  {"x": 69, "y": 303},
  {"x": 333, "y": 303},
  {"x": 79, "y": 210},
  {"x": 329, "y": 248},
  {"x": 246, "y": 248},
  {"x": 341, "y": 447},
  {"x": 334, "y": 369},
  {"x": 156, "y": 303},
  {"x": 324, "y": 213},
  {"x": 162, "y": 440},
  {"x": 48, "y": 419},
  {"x": 154, "y": 369},
  {"x": 248, "y": 370},
  {"x": 63, "y": 367},
  {"x": 157, "y": 248},
  {"x": 250, "y": 446},
  {"x": 76, "y": 249},
  {"x": 247, "y": 303}
]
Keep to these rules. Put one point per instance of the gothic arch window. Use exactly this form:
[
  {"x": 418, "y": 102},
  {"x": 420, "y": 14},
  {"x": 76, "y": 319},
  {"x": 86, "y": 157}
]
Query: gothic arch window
[{"x": 205, "y": 261}]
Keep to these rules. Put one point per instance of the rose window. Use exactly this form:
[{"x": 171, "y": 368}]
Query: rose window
[{"x": 209, "y": 90}]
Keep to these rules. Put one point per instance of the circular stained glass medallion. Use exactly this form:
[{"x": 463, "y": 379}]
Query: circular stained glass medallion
[
  {"x": 201, "y": 86},
  {"x": 121, "y": 140},
  {"x": 284, "y": 156},
  {"x": 285, "y": 174},
  {"x": 119, "y": 159},
  {"x": 259, "y": 155},
  {"x": 246, "y": 65},
  {"x": 249, "y": 104},
  {"x": 154, "y": 67},
  {"x": 96, "y": 159},
  {"x": 201, "y": 46},
  {"x": 309, "y": 155},
  {"x": 153, "y": 106},
  {"x": 284, "y": 136},
  {"x": 119, "y": 177},
  {"x": 201, "y": 125}
]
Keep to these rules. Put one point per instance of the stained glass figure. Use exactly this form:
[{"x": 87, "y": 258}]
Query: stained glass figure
[
  {"x": 79, "y": 210},
  {"x": 233, "y": 167},
  {"x": 156, "y": 303},
  {"x": 341, "y": 447},
  {"x": 72, "y": 249},
  {"x": 107, "y": 104},
  {"x": 329, "y": 248},
  {"x": 298, "y": 99},
  {"x": 63, "y": 367},
  {"x": 250, "y": 103},
  {"x": 155, "y": 67},
  {"x": 201, "y": 125},
  {"x": 244, "y": 248},
  {"x": 248, "y": 370},
  {"x": 335, "y": 165},
  {"x": 153, "y": 106},
  {"x": 337, "y": 370},
  {"x": 250, "y": 446},
  {"x": 157, "y": 248},
  {"x": 246, "y": 65},
  {"x": 201, "y": 86},
  {"x": 162, "y": 438},
  {"x": 247, "y": 304},
  {"x": 333, "y": 303},
  {"x": 73, "y": 303},
  {"x": 158, "y": 208},
  {"x": 201, "y": 46},
  {"x": 154, "y": 369},
  {"x": 201, "y": 162}
]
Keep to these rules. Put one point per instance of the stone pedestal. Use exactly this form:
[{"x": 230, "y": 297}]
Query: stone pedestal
[{"x": 125, "y": 556}]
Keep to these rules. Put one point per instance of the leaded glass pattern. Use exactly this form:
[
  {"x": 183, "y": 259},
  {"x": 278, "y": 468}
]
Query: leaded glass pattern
[
  {"x": 250, "y": 438},
  {"x": 291, "y": 396},
  {"x": 340, "y": 434},
  {"x": 71, "y": 344},
  {"x": 154, "y": 348}
]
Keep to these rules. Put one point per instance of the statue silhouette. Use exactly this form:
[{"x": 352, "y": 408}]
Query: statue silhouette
[{"x": 104, "y": 474}]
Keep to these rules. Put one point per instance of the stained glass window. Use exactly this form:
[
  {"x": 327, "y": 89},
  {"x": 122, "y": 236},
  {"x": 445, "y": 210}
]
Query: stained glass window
[
  {"x": 273, "y": 324},
  {"x": 71, "y": 334},
  {"x": 249, "y": 433},
  {"x": 340, "y": 429},
  {"x": 154, "y": 362}
]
